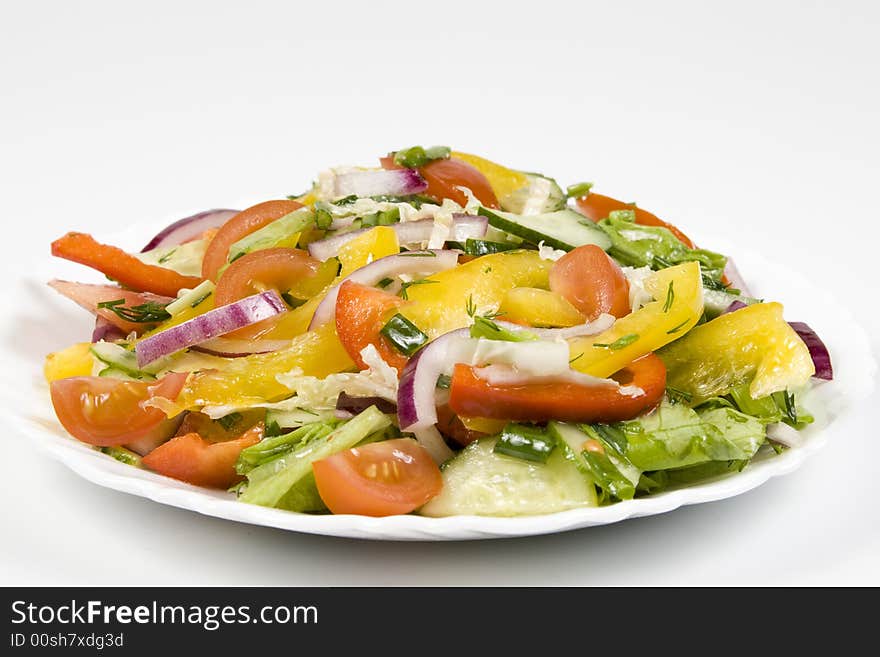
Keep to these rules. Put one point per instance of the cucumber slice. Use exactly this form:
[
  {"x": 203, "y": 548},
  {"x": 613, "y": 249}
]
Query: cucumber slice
[
  {"x": 281, "y": 232},
  {"x": 295, "y": 418},
  {"x": 564, "y": 229},
  {"x": 571, "y": 440},
  {"x": 121, "y": 361},
  {"x": 479, "y": 482},
  {"x": 540, "y": 195},
  {"x": 716, "y": 302}
]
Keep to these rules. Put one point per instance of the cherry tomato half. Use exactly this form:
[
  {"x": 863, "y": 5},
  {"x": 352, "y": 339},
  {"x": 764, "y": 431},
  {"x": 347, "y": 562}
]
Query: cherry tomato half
[
  {"x": 241, "y": 225},
  {"x": 591, "y": 281},
  {"x": 379, "y": 479},
  {"x": 103, "y": 411}
]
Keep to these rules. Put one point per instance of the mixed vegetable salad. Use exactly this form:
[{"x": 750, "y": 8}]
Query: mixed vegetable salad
[{"x": 439, "y": 334}]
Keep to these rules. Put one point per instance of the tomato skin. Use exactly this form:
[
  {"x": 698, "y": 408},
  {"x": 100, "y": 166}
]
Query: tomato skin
[
  {"x": 591, "y": 281},
  {"x": 196, "y": 461},
  {"x": 596, "y": 207},
  {"x": 568, "y": 402},
  {"x": 444, "y": 176},
  {"x": 241, "y": 225},
  {"x": 361, "y": 312},
  {"x": 279, "y": 268},
  {"x": 106, "y": 412},
  {"x": 379, "y": 479}
]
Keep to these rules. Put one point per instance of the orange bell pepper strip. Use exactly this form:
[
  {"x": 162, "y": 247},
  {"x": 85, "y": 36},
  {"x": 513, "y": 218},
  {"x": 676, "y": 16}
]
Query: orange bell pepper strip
[{"x": 121, "y": 266}]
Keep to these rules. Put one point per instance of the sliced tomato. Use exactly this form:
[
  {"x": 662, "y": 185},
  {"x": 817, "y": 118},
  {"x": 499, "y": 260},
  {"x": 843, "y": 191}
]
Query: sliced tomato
[
  {"x": 541, "y": 402},
  {"x": 281, "y": 269},
  {"x": 379, "y": 479},
  {"x": 241, "y": 225},
  {"x": 361, "y": 312},
  {"x": 597, "y": 207},
  {"x": 591, "y": 281},
  {"x": 103, "y": 411},
  {"x": 88, "y": 296},
  {"x": 121, "y": 266},
  {"x": 445, "y": 176},
  {"x": 196, "y": 461}
]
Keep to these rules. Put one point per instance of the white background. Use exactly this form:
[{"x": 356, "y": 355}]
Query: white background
[{"x": 758, "y": 121}]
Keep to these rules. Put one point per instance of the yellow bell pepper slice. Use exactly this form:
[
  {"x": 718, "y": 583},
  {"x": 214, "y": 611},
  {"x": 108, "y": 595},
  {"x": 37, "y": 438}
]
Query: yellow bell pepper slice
[
  {"x": 539, "y": 307},
  {"x": 753, "y": 343},
  {"x": 251, "y": 379},
  {"x": 377, "y": 243},
  {"x": 442, "y": 303},
  {"x": 677, "y": 307},
  {"x": 504, "y": 181},
  {"x": 75, "y": 360}
]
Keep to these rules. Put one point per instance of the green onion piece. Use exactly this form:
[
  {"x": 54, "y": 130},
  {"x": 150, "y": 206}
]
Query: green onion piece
[
  {"x": 323, "y": 218},
  {"x": 123, "y": 455},
  {"x": 346, "y": 200},
  {"x": 578, "y": 189},
  {"x": 444, "y": 381},
  {"x": 404, "y": 335},
  {"x": 527, "y": 442},
  {"x": 416, "y": 156},
  {"x": 385, "y": 282},
  {"x": 484, "y": 247},
  {"x": 622, "y": 215},
  {"x": 229, "y": 421}
]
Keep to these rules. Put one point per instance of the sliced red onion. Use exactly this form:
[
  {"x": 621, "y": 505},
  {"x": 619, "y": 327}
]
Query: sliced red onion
[
  {"x": 107, "y": 331},
  {"x": 818, "y": 351},
  {"x": 235, "y": 348},
  {"x": 381, "y": 182},
  {"x": 735, "y": 305},
  {"x": 736, "y": 280},
  {"x": 212, "y": 324},
  {"x": 189, "y": 228},
  {"x": 416, "y": 263},
  {"x": 464, "y": 226},
  {"x": 357, "y": 404}
]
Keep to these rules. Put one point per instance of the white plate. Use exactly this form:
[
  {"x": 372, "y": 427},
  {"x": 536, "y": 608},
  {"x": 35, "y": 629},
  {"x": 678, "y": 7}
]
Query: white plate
[{"x": 854, "y": 364}]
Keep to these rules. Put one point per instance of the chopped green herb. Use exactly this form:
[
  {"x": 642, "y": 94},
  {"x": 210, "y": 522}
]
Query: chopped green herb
[
  {"x": 419, "y": 254},
  {"x": 620, "y": 343},
  {"x": 346, "y": 200},
  {"x": 578, "y": 189},
  {"x": 404, "y": 335},
  {"x": 405, "y": 286},
  {"x": 575, "y": 358},
  {"x": 676, "y": 329},
  {"x": 144, "y": 313},
  {"x": 470, "y": 308},
  {"x": 198, "y": 301},
  {"x": 670, "y": 297},
  {"x": 165, "y": 258},
  {"x": 484, "y": 327},
  {"x": 229, "y": 421},
  {"x": 444, "y": 381},
  {"x": 677, "y": 395},
  {"x": 385, "y": 282}
]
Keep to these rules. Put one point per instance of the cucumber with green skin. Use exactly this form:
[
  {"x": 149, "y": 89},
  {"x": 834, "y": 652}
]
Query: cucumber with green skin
[
  {"x": 563, "y": 229},
  {"x": 540, "y": 195},
  {"x": 480, "y": 482}
]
